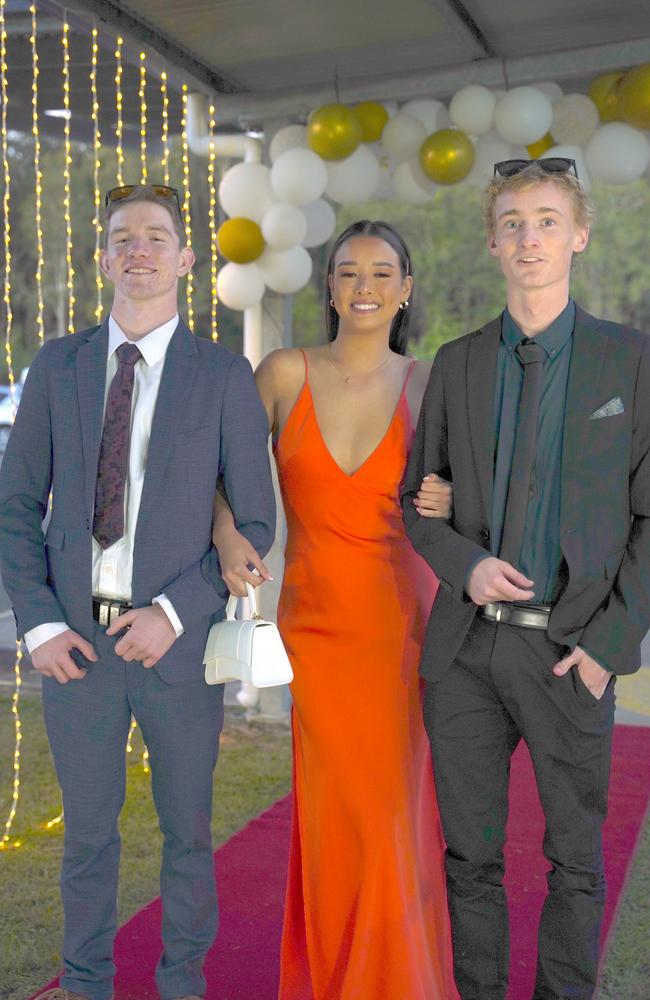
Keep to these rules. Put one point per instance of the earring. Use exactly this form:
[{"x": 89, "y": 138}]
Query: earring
[
  {"x": 332, "y": 303},
  {"x": 404, "y": 305}
]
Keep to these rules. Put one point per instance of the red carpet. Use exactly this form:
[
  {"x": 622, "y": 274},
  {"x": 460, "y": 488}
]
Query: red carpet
[{"x": 251, "y": 870}]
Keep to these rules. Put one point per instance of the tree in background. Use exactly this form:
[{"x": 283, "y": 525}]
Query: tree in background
[
  {"x": 55, "y": 294},
  {"x": 458, "y": 286}
]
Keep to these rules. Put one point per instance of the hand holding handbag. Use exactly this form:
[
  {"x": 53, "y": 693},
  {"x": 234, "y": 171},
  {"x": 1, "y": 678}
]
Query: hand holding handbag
[{"x": 248, "y": 650}]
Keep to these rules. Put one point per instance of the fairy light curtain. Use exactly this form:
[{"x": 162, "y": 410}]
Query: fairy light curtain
[{"x": 102, "y": 154}]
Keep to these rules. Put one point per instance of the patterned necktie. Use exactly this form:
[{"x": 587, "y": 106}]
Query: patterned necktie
[
  {"x": 531, "y": 356},
  {"x": 108, "y": 522}
]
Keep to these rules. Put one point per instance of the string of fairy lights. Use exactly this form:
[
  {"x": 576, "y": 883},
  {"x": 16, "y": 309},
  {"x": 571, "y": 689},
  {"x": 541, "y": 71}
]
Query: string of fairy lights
[
  {"x": 164, "y": 94},
  {"x": 212, "y": 225},
  {"x": 119, "y": 122},
  {"x": 101, "y": 156},
  {"x": 67, "y": 163},
  {"x": 97, "y": 195},
  {"x": 38, "y": 185},
  {"x": 142, "y": 92},
  {"x": 189, "y": 282}
]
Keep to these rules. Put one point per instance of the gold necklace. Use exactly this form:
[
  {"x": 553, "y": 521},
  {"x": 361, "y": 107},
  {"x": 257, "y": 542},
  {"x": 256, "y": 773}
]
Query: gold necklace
[{"x": 336, "y": 365}]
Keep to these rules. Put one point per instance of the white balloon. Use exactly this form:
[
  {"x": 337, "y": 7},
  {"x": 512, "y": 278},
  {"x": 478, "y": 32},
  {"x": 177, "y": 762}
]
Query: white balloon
[
  {"x": 472, "y": 109},
  {"x": 283, "y": 226},
  {"x": 432, "y": 113},
  {"x": 289, "y": 137},
  {"x": 406, "y": 186},
  {"x": 524, "y": 115},
  {"x": 488, "y": 150},
  {"x": 402, "y": 136},
  {"x": 240, "y": 286},
  {"x": 285, "y": 271},
  {"x": 575, "y": 119},
  {"x": 552, "y": 90},
  {"x": 298, "y": 176},
  {"x": 245, "y": 190},
  {"x": 617, "y": 153},
  {"x": 577, "y": 154},
  {"x": 354, "y": 179},
  {"x": 321, "y": 220}
]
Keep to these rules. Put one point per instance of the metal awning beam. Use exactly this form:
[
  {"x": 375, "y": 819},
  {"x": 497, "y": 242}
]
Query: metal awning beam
[
  {"x": 140, "y": 33},
  {"x": 464, "y": 27},
  {"x": 252, "y": 110}
]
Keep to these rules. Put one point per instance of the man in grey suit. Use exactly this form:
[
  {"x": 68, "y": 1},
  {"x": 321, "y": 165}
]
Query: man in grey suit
[
  {"x": 544, "y": 575},
  {"x": 128, "y": 426}
]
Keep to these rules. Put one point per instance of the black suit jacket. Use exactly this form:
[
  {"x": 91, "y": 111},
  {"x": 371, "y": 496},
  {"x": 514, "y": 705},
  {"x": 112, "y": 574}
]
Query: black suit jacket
[{"x": 605, "y": 491}]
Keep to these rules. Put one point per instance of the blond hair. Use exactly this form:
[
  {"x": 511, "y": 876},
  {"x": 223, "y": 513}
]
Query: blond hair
[{"x": 583, "y": 207}]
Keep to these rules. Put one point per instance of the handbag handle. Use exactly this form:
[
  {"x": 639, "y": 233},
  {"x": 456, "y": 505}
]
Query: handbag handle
[{"x": 231, "y": 606}]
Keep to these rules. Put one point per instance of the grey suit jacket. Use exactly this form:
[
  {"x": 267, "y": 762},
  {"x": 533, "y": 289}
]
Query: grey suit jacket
[
  {"x": 208, "y": 421},
  {"x": 605, "y": 490}
]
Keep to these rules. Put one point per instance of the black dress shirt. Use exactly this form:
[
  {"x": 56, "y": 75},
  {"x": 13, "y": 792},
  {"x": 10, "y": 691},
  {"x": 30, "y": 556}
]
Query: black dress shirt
[{"x": 541, "y": 553}]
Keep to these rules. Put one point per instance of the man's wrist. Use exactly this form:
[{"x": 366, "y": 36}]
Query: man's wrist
[
  {"x": 168, "y": 608},
  {"x": 35, "y": 637}
]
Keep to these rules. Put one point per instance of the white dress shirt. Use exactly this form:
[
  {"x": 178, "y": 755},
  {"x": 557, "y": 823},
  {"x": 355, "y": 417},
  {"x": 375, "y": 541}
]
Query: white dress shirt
[{"x": 112, "y": 568}]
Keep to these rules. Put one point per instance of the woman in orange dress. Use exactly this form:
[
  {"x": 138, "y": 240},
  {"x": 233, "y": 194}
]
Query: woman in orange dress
[{"x": 366, "y": 913}]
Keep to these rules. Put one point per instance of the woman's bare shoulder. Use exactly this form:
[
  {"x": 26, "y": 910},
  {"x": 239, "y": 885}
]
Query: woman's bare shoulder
[
  {"x": 421, "y": 373},
  {"x": 282, "y": 368}
]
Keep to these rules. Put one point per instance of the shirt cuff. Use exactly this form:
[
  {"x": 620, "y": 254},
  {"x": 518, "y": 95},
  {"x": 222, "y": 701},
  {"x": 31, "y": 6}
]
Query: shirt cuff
[
  {"x": 37, "y": 636},
  {"x": 168, "y": 608}
]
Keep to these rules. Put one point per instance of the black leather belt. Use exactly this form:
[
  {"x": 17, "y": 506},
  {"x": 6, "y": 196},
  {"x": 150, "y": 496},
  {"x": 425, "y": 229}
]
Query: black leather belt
[
  {"x": 105, "y": 610},
  {"x": 524, "y": 615}
]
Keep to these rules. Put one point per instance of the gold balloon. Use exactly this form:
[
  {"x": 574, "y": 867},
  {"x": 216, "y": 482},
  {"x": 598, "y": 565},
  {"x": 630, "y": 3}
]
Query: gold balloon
[
  {"x": 333, "y": 131},
  {"x": 240, "y": 240},
  {"x": 537, "y": 149},
  {"x": 372, "y": 118},
  {"x": 634, "y": 96},
  {"x": 604, "y": 93},
  {"x": 447, "y": 156}
]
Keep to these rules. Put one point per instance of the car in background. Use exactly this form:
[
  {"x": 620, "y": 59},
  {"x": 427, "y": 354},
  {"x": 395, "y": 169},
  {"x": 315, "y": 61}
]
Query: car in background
[{"x": 8, "y": 406}]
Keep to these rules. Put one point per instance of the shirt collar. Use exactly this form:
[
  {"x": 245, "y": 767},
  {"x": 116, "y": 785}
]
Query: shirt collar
[
  {"x": 552, "y": 339},
  {"x": 152, "y": 346}
]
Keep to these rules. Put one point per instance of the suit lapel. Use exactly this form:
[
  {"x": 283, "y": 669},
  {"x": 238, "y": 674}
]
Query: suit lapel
[
  {"x": 91, "y": 383},
  {"x": 587, "y": 360},
  {"x": 481, "y": 380},
  {"x": 175, "y": 387}
]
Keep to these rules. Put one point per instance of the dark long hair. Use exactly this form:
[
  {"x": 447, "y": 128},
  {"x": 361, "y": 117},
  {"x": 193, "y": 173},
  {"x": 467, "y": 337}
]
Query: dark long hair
[{"x": 399, "y": 331}]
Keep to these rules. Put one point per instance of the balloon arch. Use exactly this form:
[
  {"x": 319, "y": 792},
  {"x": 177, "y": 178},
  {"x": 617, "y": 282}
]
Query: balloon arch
[{"x": 343, "y": 154}]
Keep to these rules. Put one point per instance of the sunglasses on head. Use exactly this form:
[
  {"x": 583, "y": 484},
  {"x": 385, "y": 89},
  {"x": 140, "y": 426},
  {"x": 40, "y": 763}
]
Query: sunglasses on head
[
  {"x": 161, "y": 190},
  {"x": 550, "y": 165}
]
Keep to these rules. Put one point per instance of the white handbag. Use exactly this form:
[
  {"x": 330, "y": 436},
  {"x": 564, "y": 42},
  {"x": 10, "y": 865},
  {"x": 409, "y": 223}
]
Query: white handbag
[{"x": 249, "y": 650}]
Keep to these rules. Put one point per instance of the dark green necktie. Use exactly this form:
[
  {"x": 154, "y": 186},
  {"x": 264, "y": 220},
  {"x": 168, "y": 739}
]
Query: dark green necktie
[{"x": 531, "y": 356}]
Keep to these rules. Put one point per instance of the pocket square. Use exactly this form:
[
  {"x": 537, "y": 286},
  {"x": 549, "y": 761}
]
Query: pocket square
[{"x": 610, "y": 409}]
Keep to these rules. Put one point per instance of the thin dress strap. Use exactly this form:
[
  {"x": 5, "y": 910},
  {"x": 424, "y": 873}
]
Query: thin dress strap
[
  {"x": 304, "y": 358},
  {"x": 408, "y": 374}
]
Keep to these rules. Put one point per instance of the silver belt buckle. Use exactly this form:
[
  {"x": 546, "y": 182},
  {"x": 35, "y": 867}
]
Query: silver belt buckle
[
  {"x": 499, "y": 612},
  {"x": 114, "y": 611},
  {"x": 104, "y": 609}
]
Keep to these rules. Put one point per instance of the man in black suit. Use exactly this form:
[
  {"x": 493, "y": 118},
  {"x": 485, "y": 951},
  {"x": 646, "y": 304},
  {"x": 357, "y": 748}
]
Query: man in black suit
[{"x": 527, "y": 645}]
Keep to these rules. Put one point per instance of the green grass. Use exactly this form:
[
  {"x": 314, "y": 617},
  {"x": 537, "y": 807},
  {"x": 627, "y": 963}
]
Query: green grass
[
  {"x": 626, "y": 975},
  {"x": 253, "y": 771}
]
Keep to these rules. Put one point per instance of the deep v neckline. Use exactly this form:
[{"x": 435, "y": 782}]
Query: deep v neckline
[{"x": 371, "y": 454}]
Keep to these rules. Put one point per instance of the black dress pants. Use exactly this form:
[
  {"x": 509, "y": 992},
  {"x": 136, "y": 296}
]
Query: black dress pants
[{"x": 501, "y": 689}]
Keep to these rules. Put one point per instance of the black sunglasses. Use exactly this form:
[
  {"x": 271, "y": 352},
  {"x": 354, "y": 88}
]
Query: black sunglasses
[
  {"x": 161, "y": 190},
  {"x": 550, "y": 165}
]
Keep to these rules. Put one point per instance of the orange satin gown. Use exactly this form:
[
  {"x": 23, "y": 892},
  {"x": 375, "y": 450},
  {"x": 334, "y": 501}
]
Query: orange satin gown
[{"x": 366, "y": 912}]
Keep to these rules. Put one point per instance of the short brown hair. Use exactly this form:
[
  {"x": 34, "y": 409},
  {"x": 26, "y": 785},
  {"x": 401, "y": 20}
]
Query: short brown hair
[
  {"x": 583, "y": 207},
  {"x": 147, "y": 192}
]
